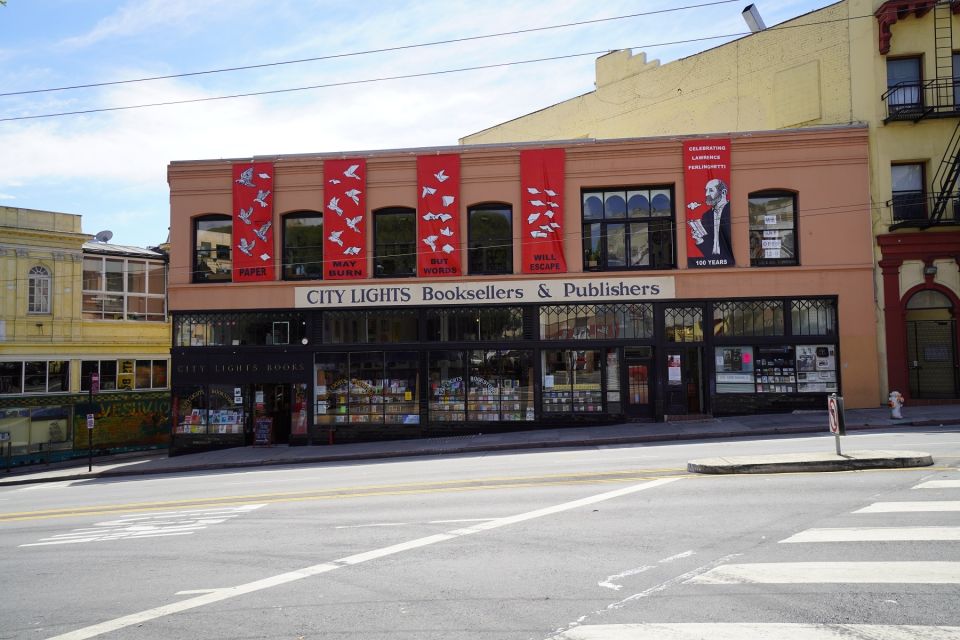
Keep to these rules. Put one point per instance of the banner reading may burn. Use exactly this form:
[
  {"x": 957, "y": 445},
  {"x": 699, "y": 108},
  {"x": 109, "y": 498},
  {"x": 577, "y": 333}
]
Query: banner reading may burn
[{"x": 706, "y": 179}]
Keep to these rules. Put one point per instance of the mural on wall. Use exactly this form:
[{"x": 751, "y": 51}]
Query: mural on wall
[
  {"x": 344, "y": 219},
  {"x": 253, "y": 221},
  {"x": 125, "y": 422},
  {"x": 438, "y": 215},
  {"x": 706, "y": 179},
  {"x": 541, "y": 188}
]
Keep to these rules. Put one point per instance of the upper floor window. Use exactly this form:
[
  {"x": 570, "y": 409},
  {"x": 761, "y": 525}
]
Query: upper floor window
[
  {"x": 38, "y": 296},
  {"x": 41, "y": 376},
  {"x": 773, "y": 228},
  {"x": 491, "y": 239},
  {"x": 303, "y": 246},
  {"x": 630, "y": 228},
  {"x": 124, "y": 289},
  {"x": 904, "y": 83},
  {"x": 909, "y": 197},
  {"x": 395, "y": 242},
  {"x": 213, "y": 238}
]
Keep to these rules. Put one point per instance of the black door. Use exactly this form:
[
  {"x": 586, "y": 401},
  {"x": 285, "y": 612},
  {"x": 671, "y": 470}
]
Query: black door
[
  {"x": 931, "y": 352},
  {"x": 683, "y": 384},
  {"x": 638, "y": 382}
]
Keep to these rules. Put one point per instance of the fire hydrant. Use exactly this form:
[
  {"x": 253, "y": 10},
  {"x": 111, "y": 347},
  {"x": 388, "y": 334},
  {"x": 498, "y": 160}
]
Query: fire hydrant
[{"x": 895, "y": 402}]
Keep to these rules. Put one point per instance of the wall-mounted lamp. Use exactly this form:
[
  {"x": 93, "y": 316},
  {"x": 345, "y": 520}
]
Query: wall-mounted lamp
[{"x": 930, "y": 270}]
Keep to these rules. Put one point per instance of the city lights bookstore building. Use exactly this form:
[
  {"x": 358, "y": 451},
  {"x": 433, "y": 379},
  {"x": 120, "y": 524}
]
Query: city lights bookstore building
[{"x": 407, "y": 293}]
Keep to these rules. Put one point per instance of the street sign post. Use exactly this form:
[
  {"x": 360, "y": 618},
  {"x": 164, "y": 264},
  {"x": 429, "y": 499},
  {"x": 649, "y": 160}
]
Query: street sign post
[{"x": 835, "y": 418}]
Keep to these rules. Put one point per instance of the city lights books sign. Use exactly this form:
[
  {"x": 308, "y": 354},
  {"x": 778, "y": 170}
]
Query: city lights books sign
[
  {"x": 706, "y": 179},
  {"x": 626, "y": 289}
]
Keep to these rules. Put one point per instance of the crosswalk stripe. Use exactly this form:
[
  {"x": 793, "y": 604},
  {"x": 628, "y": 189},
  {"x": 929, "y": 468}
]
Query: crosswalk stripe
[
  {"x": 875, "y": 534},
  {"x": 906, "y": 507},
  {"x": 939, "y": 484},
  {"x": 934, "y": 572},
  {"x": 757, "y": 631}
]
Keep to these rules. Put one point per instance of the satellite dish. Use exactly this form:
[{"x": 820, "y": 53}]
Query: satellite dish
[{"x": 103, "y": 236}]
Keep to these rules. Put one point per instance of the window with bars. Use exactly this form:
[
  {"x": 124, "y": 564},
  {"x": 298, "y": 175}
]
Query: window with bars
[
  {"x": 748, "y": 318},
  {"x": 226, "y": 329},
  {"x": 683, "y": 324},
  {"x": 499, "y": 323},
  {"x": 369, "y": 327},
  {"x": 596, "y": 322},
  {"x": 38, "y": 290},
  {"x": 628, "y": 229},
  {"x": 817, "y": 317}
]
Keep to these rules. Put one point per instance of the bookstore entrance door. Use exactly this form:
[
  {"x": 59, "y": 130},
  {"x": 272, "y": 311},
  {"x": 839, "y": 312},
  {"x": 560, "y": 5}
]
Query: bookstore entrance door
[
  {"x": 638, "y": 365},
  {"x": 684, "y": 380},
  {"x": 273, "y": 401}
]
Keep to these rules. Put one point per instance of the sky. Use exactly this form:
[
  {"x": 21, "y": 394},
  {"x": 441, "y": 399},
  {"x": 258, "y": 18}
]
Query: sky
[{"x": 110, "y": 166}]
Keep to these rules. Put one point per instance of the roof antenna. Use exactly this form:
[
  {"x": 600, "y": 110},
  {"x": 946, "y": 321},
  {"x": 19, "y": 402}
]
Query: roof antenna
[{"x": 752, "y": 17}]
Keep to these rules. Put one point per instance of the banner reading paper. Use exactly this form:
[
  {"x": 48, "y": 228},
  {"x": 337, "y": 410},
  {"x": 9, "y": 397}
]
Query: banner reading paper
[
  {"x": 541, "y": 188},
  {"x": 344, "y": 219},
  {"x": 706, "y": 179},
  {"x": 438, "y": 219},
  {"x": 252, "y": 221}
]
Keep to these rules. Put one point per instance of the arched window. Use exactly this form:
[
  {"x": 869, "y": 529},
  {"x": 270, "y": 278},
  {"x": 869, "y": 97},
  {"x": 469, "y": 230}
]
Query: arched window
[
  {"x": 395, "y": 242},
  {"x": 303, "y": 246},
  {"x": 490, "y": 239},
  {"x": 212, "y": 255},
  {"x": 38, "y": 290}
]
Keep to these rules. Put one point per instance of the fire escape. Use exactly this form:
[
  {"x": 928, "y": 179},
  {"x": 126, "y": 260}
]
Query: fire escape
[{"x": 919, "y": 100}]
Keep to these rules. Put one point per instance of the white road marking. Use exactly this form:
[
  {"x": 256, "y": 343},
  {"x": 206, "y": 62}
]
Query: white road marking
[
  {"x": 833, "y": 573},
  {"x": 610, "y": 584},
  {"x": 317, "y": 569},
  {"x": 875, "y": 534},
  {"x": 905, "y": 507},
  {"x": 939, "y": 484},
  {"x": 407, "y": 524},
  {"x": 154, "y": 525},
  {"x": 758, "y": 631}
]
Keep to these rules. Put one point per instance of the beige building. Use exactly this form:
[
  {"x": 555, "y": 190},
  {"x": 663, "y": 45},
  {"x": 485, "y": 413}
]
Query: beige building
[
  {"x": 572, "y": 290},
  {"x": 74, "y": 305},
  {"x": 891, "y": 65}
]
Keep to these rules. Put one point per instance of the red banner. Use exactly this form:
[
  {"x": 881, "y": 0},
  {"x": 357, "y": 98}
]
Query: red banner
[
  {"x": 438, "y": 215},
  {"x": 253, "y": 221},
  {"x": 344, "y": 219},
  {"x": 706, "y": 181},
  {"x": 541, "y": 186}
]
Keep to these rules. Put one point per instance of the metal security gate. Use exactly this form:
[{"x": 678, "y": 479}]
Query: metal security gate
[{"x": 932, "y": 358}]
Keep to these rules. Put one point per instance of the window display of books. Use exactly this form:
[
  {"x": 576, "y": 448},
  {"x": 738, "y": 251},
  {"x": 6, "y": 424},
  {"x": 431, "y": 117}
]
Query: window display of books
[
  {"x": 775, "y": 371},
  {"x": 572, "y": 401}
]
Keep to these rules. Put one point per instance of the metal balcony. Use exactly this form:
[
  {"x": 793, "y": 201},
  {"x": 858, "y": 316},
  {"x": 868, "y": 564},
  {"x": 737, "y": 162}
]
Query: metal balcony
[
  {"x": 914, "y": 101},
  {"x": 913, "y": 208}
]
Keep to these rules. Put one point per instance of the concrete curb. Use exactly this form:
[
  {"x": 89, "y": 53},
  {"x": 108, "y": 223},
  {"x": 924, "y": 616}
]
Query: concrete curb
[{"x": 802, "y": 463}]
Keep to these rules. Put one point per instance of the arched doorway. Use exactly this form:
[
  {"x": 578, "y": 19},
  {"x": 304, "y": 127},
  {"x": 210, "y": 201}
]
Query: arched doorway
[{"x": 931, "y": 345}]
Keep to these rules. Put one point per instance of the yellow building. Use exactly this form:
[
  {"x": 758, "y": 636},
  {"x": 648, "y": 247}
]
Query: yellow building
[
  {"x": 74, "y": 305},
  {"x": 891, "y": 65}
]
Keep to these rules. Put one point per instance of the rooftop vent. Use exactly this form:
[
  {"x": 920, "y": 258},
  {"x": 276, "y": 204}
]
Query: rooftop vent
[{"x": 752, "y": 17}]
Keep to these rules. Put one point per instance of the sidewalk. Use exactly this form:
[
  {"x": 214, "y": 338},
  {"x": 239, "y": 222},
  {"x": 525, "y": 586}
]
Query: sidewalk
[{"x": 732, "y": 427}]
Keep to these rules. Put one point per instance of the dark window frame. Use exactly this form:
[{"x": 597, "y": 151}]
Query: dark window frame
[
  {"x": 905, "y": 95},
  {"x": 481, "y": 257},
  {"x": 660, "y": 255},
  {"x": 311, "y": 269},
  {"x": 909, "y": 205},
  {"x": 200, "y": 275},
  {"x": 793, "y": 261},
  {"x": 410, "y": 255}
]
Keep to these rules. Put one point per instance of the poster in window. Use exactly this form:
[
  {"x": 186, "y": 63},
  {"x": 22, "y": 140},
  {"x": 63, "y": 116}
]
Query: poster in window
[
  {"x": 706, "y": 180},
  {"x": 542, "y": 175},
  {"x": 344, "y": 219},
  {"x": 438, "y": 215},
  {"x": 252, "y": 221}
]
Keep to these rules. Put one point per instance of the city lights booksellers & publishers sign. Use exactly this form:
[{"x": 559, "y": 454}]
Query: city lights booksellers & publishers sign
[{"x": 582, "y": 290}]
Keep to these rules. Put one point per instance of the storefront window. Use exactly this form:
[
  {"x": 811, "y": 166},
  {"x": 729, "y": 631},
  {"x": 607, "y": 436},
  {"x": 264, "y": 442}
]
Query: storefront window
[
  {"x": 370, "y": 327},
  {"x": 571, "y": 381},
  {"x": 447, "y": 371},
  {"x": 225, "y": 329},
  {"x": 372, "y": 387},
  {"x": 190, "y": 410},
  {"x": 683, "y": 324},
  {"x": 107, "y": 370},
  {"x": 816, "y": 368},
  {"x": 735, "y": 370},
  {"x": 748, "y": 318},
  {"x": 225, "y": 413},
  {"x": 497, "y": 323},
  {"x": 813, "y": 317},
  {"x": 776, "y": 369},
  {"x": 500, "y": 388},
  {"x": 596, "y": 322}
]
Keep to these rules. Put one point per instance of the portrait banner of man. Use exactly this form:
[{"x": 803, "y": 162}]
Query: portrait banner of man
[{"x": 706, "y": 178}]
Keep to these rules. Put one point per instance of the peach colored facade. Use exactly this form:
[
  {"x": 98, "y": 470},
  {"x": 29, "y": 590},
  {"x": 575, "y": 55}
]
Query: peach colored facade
[{"x": 826, "y": 168}]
